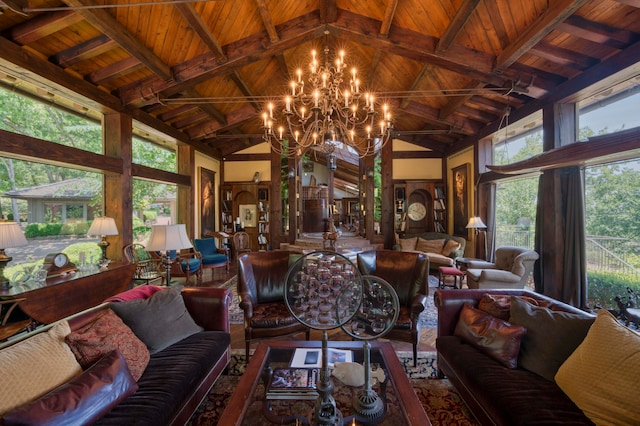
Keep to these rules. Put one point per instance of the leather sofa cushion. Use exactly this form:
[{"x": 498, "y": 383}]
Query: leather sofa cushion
[
  {"x": 169, "y": 379},
  {"x": 159, "y": 321},
  {"x": 493, "y": 336},
  {"x": 82, "y": 400},
  {"x": 509, "y": 396},
  {"x": 267, "y": 315}
]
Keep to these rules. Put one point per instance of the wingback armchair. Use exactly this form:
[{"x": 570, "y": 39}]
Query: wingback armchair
[
  {"x": 407, "y": 272},
  {"x": 510, "y": 270},
  {"x": 261, "y": 287}
]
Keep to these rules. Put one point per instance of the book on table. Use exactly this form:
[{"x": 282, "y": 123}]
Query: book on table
[
  {"x": 312, "y": 357},
  {"x": 293, "y": 383}
]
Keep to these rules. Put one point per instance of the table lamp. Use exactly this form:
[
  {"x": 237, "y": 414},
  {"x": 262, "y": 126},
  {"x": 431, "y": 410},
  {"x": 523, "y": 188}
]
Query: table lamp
[
  {"x": 10, "y": 236},
  {"x": 165, "y": 238},
  {"x": 478, "y": 226},
  {"x": 103, "y": 226}
]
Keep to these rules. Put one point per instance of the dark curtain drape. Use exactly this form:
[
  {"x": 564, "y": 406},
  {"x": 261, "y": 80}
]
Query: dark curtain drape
[
  {"x": 573, "y": 287},
  {"x": 491, "y": 223}
]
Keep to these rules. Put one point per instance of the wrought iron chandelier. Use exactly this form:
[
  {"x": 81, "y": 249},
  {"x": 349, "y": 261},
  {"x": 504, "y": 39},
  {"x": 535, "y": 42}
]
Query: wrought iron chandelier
[{"x": 327, "y": 110}]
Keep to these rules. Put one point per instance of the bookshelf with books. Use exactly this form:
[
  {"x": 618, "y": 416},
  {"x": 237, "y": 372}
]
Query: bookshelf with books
[
  {"x": 439, "y": 209},
  {"x": 246, "y": 207}
]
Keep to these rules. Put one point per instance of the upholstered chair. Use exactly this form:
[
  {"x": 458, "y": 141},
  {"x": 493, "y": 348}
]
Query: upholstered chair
[
  {"x": 185, "y": 263},
  {"x": 408, "y": 273},
  {"x": 511, "y": 269},
  {"x": 212, "y": 256},
  {"x": 148, "y": 268},
  {"x": 261, "y": 287}
]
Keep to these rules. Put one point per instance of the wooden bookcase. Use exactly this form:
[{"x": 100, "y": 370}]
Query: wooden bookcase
[
  {"x": 431, "y": 195},
  {"x": 246, "y": 207}
]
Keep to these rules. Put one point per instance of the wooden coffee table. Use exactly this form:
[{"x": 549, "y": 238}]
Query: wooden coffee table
[{"x": 248, "y": 402}]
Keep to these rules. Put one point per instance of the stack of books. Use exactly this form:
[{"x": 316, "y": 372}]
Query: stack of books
[{"x": 293, "y": 383}]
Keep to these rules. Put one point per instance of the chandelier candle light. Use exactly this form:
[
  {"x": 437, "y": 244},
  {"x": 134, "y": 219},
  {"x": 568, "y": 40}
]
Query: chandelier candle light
[{"x": 327, "y": 110}]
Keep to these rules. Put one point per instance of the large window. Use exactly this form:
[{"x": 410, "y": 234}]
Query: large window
[{"x": 612, "y": 207}]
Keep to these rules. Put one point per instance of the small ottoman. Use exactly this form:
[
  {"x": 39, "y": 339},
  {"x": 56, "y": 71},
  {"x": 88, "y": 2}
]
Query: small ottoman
[{"x": 451, "y": 271}]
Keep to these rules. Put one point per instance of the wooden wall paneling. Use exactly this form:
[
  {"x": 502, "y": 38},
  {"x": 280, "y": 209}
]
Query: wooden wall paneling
[
  {"x": 275, "y": 203},
  {"x": 186, "y": 194},
  {"x": 388, "y": 197},
  {"x": 118, "y": 198}
]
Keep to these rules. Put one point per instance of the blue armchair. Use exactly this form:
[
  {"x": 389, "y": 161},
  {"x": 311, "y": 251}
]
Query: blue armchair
[
  {"x": 183, "y": 264},
  {"x": 212, "y": 256}
]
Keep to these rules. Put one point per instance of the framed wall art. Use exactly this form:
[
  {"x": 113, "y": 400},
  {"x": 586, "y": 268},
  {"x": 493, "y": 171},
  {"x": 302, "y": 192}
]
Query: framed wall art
[
  {"x": 247, "y": 213},
  {"x": 461, "y": 197},
  {"x": 207, "y": 201}
]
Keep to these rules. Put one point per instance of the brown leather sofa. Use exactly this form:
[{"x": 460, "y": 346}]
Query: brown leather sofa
[
  {"x": 495, "y": 394},
  {"x": 408, "y": 275},
  {"x": 175, "y": 380}
]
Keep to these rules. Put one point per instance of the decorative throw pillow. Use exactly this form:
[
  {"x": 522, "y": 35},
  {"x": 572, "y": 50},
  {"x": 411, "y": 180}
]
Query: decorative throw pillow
[
  {"x": 449, "y": 247},
  {"x": 158, "y": 321},
  {"x": 407, "y": 244},
  {"x": 551, "y": 336},
  {"x": 140, "y": 292},
  {"x": 105, "y": 334},
  {"x": 499, "y": 305},
  {"x": 82, "y": 400},
  {"x": 495, "y": 337},
  {"x": 33, "y": 367},
  {"x": 430, "y": 246},
  {"x": 601, "y": 376}
]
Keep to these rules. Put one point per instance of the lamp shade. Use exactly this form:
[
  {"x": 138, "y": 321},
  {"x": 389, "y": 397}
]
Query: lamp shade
[
  {"x": 103, "y": 226},
  {"x": 168, "y": 237},
  {"x": 11, "y": 235},
  {"x": 476, "y": 223}
]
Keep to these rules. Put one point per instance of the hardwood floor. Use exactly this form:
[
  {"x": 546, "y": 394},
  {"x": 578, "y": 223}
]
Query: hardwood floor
[{"x": 217, "y": 277}]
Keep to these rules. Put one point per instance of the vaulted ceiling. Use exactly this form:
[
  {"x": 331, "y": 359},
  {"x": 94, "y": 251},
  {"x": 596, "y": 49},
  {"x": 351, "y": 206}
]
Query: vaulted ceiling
[{"x": 201, "y": 71}]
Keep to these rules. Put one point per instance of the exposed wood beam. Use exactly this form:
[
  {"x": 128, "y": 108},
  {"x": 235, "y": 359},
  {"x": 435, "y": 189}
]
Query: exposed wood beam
[
  {"x": 240, "y": 53},
  {"x": 89, "y": 49},
  {"x": 597, "y": 32},
  {"x": 41, "y": 26},
  {"x": 71, "y": 87},
  {"x": 328, "y": 11},
  {"x": 200, "y": 27},
  {"x": 107, "y": 24},
  {"x": 431, "y": 115},
  {"x": 282, "y": 63},
  {"x": 557, "y": 12},
  {"x": 632, "y": 3},
  {"x": 114, "y": 70},
  {"x": 234, "y": 118},
  {"x": 452, "y": 106},
  {"x": 191, "y": 120},
  {"x": 17, "y": 5},
  {"x": 389, "y": 13},
  {"x": 242, "y": 85},
  {"x": 206, "y": 107},
  {"x": 267, "y": 21},
  {"x": 457, "y": 23},
  {"x": 426, "y": 70},
  {"x": 562, "y": 56},
  {"x": 375, "y": 60},
  {"x": 176, "y": 112}
]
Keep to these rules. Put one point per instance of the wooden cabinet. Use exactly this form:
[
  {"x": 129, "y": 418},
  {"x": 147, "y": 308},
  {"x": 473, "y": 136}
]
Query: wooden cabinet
[
  {"x": 246, "y": 207},
  {"x": 419, "y": 207}
]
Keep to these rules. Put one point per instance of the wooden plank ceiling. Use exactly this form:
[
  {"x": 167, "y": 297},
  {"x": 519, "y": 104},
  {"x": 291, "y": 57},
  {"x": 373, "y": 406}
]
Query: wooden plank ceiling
[{"x": 448, "y": 67}]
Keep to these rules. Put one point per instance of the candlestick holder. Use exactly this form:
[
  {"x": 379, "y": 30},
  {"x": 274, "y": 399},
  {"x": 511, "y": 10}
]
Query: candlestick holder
[
  {"x": 376, "y": 315},
  {"x": 324, "y": 291}
]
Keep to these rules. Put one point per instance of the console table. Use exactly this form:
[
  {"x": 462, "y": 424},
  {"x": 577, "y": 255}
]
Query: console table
[{"x": 66, "y": 295}]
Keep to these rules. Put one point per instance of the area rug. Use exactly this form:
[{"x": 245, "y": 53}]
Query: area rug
[
  {"x": 438, "y": 397},
  {"x": 428, "y": 319}
]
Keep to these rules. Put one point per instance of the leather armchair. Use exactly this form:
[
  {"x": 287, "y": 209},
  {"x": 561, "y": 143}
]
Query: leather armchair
[
  {"x": 510, "y": 270},
  {"x": 261, "y": 287},
  {"x": 408, "y": 273}
]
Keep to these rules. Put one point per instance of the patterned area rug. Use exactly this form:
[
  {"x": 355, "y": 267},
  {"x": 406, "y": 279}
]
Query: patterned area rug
[
  {"x": 438, "y": 397},
  {"x": 428, "y": 319}
]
